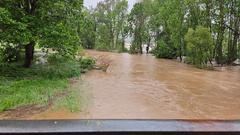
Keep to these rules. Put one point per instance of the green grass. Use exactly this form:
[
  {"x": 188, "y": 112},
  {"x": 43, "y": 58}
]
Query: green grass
[
  {"x": 20, "y": 86},
  {"x": 72, "y": 102},
  {"x": 77, "y": 97},
  {"x": 25, "y": 92}
]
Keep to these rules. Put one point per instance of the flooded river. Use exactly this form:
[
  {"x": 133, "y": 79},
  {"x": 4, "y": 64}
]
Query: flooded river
[{"x": 142, "y": 87}]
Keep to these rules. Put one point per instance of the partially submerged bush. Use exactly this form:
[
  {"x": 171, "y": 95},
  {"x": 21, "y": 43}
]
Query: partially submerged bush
[
  {"x": 58, "y": 67},
  {"x": 199, "y": 46},
  {"x": 86, "y": 62},
  {"x": 164, "y": 50}
]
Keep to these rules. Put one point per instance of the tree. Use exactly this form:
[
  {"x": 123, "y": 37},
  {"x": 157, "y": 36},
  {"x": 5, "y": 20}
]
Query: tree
[
  {"x": 233, "y": 28},
  {"x": 52, "y": 24},
  {"x": 88, "y": 31},
  {"x": 121, "y": 11},
  {"x": 110, "y": 17},
  {"x": 199, "y": 46},
  {"x": 137, "y": 28},
  {"x": 220, "y": 35}
]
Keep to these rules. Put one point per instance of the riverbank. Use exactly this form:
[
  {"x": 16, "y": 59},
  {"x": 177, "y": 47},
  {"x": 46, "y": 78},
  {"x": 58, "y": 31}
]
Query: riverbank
[
  {"x": 31, "y": 91},
  {"x": 142, "y": 87}
]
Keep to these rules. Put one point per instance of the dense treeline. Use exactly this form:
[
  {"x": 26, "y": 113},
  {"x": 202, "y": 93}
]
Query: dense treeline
[
  {"x": 202, "y": 30},
  {"x": 105, "y": 26}
]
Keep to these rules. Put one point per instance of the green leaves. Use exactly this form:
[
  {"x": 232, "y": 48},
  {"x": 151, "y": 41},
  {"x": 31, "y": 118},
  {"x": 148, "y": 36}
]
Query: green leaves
[
  {"x": 53, "y": 24},
  {"x": 199, "y": 46},
  {"x": 164, "y": 50},
  {"x": 107, "y": 24}
]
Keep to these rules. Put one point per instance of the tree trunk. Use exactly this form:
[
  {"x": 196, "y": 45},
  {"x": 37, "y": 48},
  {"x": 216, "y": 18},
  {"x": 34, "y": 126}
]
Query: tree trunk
[
  {"x": 29, "y": 52},
  {"x": 236, "y": 32},
  {"x": 148, "y": 44},
  {"x": 141, "y": 49},
  {"x": 208, "y": 14},
  {"x": 123, "y": 44},
  {"x": 230, "y": 35},
  {"x": 29, "y": 48},
  {"x": 220, "y": 37},
  {"x": 235, "y": 40},
  {"x": 234, "y": 35}
]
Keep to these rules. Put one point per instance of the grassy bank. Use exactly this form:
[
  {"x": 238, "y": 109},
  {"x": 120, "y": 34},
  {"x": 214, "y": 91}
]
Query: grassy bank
[{"x": 40, "y": 83}]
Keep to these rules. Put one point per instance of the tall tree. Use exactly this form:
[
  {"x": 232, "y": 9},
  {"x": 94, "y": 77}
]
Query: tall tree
[
  {"x": 137, "y": 23},
  {"x": 49, "y": 23},
  {"x": 221, "y": 30},
  {"x": 111, "y": 19}
]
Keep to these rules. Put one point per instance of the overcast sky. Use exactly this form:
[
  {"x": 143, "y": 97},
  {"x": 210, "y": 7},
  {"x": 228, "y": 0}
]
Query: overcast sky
[{"x": 93, "y": 3}]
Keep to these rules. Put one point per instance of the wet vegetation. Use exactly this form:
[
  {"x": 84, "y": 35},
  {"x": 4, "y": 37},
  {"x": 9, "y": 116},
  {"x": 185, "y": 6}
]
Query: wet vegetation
[
  {"x": 40, "y": 51},
  {"x": 39, "y": 84},
  {"x": 199, "y": 32}
]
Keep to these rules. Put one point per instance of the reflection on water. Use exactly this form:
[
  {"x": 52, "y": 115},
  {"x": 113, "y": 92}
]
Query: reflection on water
[{"x": 142, "y": 87}]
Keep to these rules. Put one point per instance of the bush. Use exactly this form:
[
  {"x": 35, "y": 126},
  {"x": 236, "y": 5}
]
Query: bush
[
  {"x": 9, "y": 52},
  {"x": 163, "y": 50},
  {"x": 103, "y": 47},
  {"x": 58, "y": 67},
  {"x": 86, "y": 63},
  {"x": 199, "y": 46}
]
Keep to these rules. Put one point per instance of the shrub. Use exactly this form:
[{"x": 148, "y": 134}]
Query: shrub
[
  {"x": 163, "y": 50},
  {"x": 9, "y": 52},
  {"x": 103, "y": 47},
  {"x": 58, "y": 67},
  {"x": 199, "y": 46},
  {"x": 86, "y": 62}
]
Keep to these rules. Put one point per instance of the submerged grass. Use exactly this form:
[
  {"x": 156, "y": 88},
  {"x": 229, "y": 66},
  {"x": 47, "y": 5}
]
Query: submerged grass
[
  {"x": 37, "y": 85},
  {"x": 72, "y": 102}
]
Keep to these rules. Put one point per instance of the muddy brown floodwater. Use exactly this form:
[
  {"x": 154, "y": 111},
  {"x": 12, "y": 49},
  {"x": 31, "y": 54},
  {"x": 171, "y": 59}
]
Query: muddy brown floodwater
[{"x": 142, "y": 87}]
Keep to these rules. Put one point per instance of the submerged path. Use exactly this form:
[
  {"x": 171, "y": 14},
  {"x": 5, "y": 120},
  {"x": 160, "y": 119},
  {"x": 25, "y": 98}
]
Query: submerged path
[{"x": 142, "y": 87}]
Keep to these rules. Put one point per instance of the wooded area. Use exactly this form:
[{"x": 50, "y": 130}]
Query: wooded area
[{"x": 202, "y": 30}]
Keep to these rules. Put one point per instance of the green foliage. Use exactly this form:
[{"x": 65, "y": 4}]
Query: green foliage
[
  {"x": 58, "y": 67},
  {"x": 163, "y": 50},
  {"x": 239, "y": 51},
  {"x": 21, "y": 92},
  {"x": 52, "y": 24},
  {"x": 103, "y": 42},
  {"x": 87, "y": 32},
  {"x": 199, "y": 46},
  {"x": 137, "y": 21},
  {"x": 9, "y": 52},
  {"x": 106, "y": 25},
  {"x": 20, "y": 86},
  {"x": 87, "y": 63}
]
